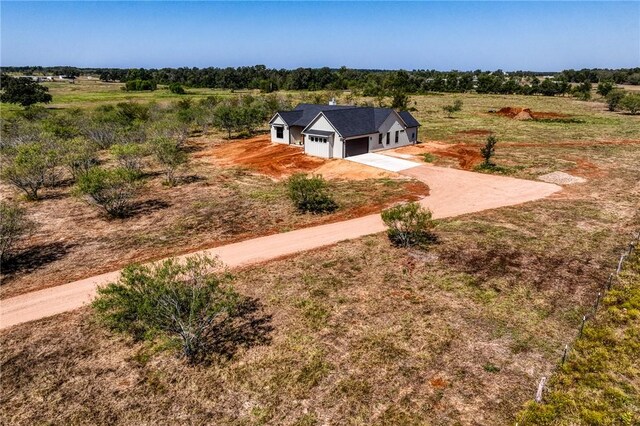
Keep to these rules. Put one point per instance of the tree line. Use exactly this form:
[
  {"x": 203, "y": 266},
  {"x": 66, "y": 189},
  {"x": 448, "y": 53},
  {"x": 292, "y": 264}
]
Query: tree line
[{"x": 270, "y": 79}]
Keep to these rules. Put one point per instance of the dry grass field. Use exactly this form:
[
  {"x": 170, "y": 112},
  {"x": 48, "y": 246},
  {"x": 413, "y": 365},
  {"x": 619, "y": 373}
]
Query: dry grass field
[
  {"x": 361, "y": 332},
  {"x": 213, "y": 205}
]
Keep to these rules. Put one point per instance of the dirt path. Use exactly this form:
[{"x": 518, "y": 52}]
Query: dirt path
[{"x": 452, "y": 192}]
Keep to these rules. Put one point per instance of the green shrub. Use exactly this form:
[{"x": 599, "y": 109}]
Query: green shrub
[
  {"x": 79, "y": 155},
  {"x": 489, "y": 149},
  {"x": 29, "y": 167},
  {"x": 309, "y": 194},
  {"x": 176, "y": 88},
  {"x": 613, "y": 98},
  {"x": 140, "y": 85},
  {"x": 409, "y": 225},
  {"x": 170, "y": 156},
  {"x": 631, "y": 103},
  {"x": 605, "y": 87},
  {"x": 13, "y": 225},
  {"x": 427, "y": 157},
  {"x": 130, "y": 156},
  {"x": 110, "y": 189},
  {"x": 453, "y": 108},
  {"x": 184, "y": 301}
]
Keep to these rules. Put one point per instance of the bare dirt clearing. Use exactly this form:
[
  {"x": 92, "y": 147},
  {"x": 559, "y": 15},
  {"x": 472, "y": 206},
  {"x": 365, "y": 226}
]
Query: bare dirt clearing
[
  {"x": 280, "y": 161},
  {"x": 518, "y": 113}
]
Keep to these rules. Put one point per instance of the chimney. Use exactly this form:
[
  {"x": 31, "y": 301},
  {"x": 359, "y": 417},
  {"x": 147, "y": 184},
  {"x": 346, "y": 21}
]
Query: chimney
[{"x": 332, "y": 101}]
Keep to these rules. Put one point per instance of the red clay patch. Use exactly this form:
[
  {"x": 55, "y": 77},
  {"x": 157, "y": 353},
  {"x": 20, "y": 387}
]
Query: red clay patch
[
  {"x": 518, "y": 113},
  {"x": 467, "y": 156},
  {"x": 586, "y": 169},
  {"x": 260, "y": 155},
  {"x": 475, "y": 132},
  {"x": 438, "y": 383}
]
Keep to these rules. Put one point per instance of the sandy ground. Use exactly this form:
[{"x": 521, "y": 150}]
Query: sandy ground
[{"x": 452, "y": 192}]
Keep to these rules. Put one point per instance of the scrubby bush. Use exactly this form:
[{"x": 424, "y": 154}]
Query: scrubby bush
[
  {"x": 409, "y": 225},
  {"x": 170, "y": 156},
  {"x": 309, "y": 194},
  {"x": 582, "y": 91},
  {"x": 110, "y": 189},
  {"x": 631, "y": 103},
  {"x": 169, "y": 128},
  {"x": 453, "y": 108},
  {"x": 176, "y": 88},
  {"x": 226, "y": 118},
  {"x": 613, "y": 98},
  {"x": 14, "y": 224},
  {"x": 28, "y": 167},
  {"x": 140, "y": 85},
  {"x": 130, "y": 156},
  {"x": 183, "y": 301},
  {"x": 79, "y": 156},
  {"x": 605, "y": 87},
  {"x": 489, "y": 149},
  {"x": 102, "y": 133}
]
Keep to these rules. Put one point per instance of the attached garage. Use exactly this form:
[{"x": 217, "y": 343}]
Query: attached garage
[
  {"x": 356, "y": 146},
  {"x": 318, "y": 143}
]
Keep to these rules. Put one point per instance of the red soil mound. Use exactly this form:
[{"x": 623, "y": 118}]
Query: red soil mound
[
  {"x": 467, "y": 156},
  {"x": 526, "y": 114}
]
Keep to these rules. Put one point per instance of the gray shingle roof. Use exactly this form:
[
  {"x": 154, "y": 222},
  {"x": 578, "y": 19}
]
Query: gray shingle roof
[
  {"x": 348, "y": 120},
  {"x": 310, "y": 111},
  {"x": 290, "y": 117},
  {"x": 353, "y": 122},
  {"x": 408, "y": 119}
]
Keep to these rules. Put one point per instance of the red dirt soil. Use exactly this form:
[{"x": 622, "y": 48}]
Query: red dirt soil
[
  {"x": 586, "y": 169},
  {"x": 468, "y": 156},
  {"x": 261, "y": 155},
  {"x": 281, "y": 161},
  {"x": 526, "y": 114},
  {"x": 475, "y": 132}
]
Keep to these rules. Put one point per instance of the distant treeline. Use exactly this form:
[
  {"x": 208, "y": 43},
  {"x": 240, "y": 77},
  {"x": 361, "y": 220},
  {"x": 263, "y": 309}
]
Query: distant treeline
[{"x": 368, "y": 82}]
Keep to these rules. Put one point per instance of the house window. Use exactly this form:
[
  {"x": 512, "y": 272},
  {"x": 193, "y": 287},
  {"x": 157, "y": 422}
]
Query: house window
[
  {"x": 397, "y": 136},
  {"x": 413, "y": 135},
  {"x": 380, "y": 138},
  {"x": 388, "y": 138},
  {"x": 279, "y": 132}
]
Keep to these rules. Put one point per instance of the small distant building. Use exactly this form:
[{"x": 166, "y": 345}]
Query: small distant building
[{"x": 340, "y": 131}]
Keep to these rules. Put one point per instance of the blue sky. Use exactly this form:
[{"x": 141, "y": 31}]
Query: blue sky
[{"x": 542, "y": 36}]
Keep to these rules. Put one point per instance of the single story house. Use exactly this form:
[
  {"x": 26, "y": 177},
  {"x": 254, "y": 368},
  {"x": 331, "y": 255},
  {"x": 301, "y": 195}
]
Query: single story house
[{"x": 340, "y": 131}]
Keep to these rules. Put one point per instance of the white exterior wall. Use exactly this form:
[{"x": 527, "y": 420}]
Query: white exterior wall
[
  {"x": 391, "y": 125},
  {"x": 278, "y": 121},
  {"x": 331, "y": 149},
  {"x": 413, "y": 130},
  {"x": 318, "y": 149},
  {"x": 338, "y": 145}
]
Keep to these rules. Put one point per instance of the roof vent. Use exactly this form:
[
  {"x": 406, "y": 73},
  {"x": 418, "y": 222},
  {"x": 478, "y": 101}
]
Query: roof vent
[{"x": 332, "y": 101}]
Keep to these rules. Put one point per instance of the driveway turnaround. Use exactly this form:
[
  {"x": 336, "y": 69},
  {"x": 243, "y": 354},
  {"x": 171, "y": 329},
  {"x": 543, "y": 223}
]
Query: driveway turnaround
[
  {"x": 384, "y": 162},
  {"x": 451, "y": 192}
]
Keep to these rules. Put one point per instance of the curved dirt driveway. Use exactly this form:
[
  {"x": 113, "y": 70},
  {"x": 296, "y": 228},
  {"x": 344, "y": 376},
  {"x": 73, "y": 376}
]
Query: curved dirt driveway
[{"x": 452, "y": 192}]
